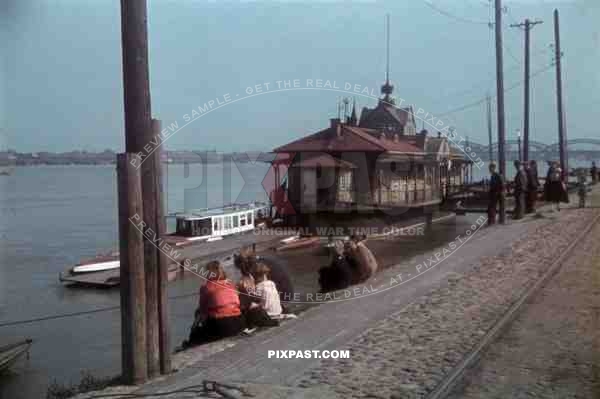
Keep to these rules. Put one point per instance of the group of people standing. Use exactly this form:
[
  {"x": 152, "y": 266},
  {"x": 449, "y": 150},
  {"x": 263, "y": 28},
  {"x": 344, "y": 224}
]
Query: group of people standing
[{"x": 526, "y": 187}]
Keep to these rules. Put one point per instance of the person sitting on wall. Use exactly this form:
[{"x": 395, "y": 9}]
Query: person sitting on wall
[
  {"x": 248, "y": 259},
  {"x": 266, "y": 291},
  {"x": 361, "y": 258},
  {"x": 218, "y": 314},
  {"x": 254, "y": 315},
  {"x": 338, "y": 275}
]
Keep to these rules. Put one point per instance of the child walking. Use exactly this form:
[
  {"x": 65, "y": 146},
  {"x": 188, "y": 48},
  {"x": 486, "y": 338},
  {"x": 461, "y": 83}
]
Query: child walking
[{"x": 581, "y": 189}]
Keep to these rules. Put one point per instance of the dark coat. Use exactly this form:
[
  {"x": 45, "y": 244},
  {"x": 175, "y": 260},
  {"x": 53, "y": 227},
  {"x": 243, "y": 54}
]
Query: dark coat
[
  {"x": 554, "y": 189},
  {"x": 533, "y": 181},
  {"x": 520, "y": 182},
  {"x": 336, "y": 276},
  {"x": 496, "y": 187}
]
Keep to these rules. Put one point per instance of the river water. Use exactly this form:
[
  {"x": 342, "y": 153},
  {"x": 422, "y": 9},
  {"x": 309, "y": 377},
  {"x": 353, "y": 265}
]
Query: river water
[{"x": 52, "y": 217}]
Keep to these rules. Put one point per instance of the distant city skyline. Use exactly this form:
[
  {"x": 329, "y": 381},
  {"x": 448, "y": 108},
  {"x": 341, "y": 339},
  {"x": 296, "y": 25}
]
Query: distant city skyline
[{"x": 62, "y": 76}]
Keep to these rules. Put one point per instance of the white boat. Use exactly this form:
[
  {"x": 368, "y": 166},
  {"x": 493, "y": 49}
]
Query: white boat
[
  {"x": 99, "y": 263},
  {"x": 5, "y": 171},
  {"x": 214, "y": 224},
  {"x": 96, "y": 267}
]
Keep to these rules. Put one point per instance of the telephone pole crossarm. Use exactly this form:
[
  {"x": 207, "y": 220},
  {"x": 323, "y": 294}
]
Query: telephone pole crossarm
[{"x": 526, "y": 27}]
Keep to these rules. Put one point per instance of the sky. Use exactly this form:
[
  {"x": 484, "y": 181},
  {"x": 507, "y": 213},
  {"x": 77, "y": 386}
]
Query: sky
[{"x": 61, "y": 77}]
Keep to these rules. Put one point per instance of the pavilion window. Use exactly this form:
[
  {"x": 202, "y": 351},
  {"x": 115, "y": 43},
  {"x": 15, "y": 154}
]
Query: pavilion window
[{"x": 344, "y": 186}]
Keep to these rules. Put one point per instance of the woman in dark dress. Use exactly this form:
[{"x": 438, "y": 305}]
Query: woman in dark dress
[{"x": 554, "y": 188}]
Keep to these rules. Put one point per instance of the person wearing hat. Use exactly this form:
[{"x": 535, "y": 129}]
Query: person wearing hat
[
  {"x": 494, "y": 193},
  {"x": 520, "y": 189}
]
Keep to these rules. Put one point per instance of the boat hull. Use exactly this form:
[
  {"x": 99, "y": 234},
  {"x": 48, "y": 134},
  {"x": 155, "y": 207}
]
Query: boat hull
[{"x": 96, "y": 267}]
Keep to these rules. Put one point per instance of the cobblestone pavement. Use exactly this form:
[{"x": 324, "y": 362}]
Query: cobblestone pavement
[
  {"x": 552, "y": 349},
  {"x": 407, "y": 354}
]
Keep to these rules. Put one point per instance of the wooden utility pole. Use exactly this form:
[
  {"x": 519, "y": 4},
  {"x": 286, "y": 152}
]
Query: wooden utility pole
[
  {"x": 489, "y": 126},
  {"x": 500, "y": 107},
  {"x": 134, "y": 38},
  {"x": 164, "y": 339},
  {"x": 140, "y": 133},
  {"x": 562, "y": 134},
  {"x": 150, "y": 193},
  {"x": 131, "y": 270},
  {"x": 527, "y": 25}
]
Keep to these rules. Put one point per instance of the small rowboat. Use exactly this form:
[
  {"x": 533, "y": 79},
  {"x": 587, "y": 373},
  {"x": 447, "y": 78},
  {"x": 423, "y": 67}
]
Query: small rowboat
[
  {"x": 96, "y": 267},
  {"x": 298, "y": 242},
  {"x": 100, "y": 263},
  {"x": 10, "y": 353}
]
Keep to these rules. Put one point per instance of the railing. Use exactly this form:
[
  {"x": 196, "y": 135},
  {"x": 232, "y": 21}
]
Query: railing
[{"x": 394, "y": 197}]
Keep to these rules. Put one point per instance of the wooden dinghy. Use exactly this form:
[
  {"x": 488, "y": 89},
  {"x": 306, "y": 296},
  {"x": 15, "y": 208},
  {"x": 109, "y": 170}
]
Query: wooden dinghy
[
  {"x": 105, "y": 278},
  {"x": 100, "y": 263},
  {"x": 11, "y": 353},
  {"x": 298, "y": 242}
]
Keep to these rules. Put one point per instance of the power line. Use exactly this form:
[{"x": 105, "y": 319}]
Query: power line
[
  {"x": 482, "y": 100},
  {"x": 81, "y": 313},
  {"x": 455, "y": 17}
]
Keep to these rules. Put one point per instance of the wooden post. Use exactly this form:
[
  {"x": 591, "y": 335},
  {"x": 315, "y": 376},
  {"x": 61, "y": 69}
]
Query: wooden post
[
  {"x": 139, "y": 137},
  {"x": 526, "y": 96},
  {"x": 164, "y": 336},
  {"x": 526, "y": 26},
  {"x": 150, "y": 195},
  {"x": 500, "y": 107},
  {"x": 133, "y": 295},
  {"x": 489, "y": 123},
  {"x": 562, "y": 135},
  {"x": 134, "y": 38}
]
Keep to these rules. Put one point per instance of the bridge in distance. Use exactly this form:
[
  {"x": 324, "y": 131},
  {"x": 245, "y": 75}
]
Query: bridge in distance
[{"x": 584, "y": 149}]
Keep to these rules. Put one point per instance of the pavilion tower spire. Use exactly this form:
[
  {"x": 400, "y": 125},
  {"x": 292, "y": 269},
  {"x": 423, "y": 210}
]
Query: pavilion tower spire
[
  {"x": 387, "y": 89},
  {"x": 353, "y": 121}
]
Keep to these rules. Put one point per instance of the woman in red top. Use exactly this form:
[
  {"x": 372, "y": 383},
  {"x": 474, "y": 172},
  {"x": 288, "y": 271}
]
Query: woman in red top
[{"x": 218, "y": 314}]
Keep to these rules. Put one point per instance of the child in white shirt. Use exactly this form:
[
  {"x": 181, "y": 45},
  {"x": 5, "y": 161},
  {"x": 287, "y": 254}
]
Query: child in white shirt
[{"x": 267, "y": 291}]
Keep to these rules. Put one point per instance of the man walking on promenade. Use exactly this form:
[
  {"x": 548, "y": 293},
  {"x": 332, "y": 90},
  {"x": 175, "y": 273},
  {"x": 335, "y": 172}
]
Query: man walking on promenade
[
  {"x": 496, "y": 187},
  {"x": 520, "y": 189},
  {"x": 594, "y": 172},
  {"x": 533, "y": 184}
]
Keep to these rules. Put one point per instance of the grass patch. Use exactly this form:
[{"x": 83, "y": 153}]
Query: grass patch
[{"x": 88, "y": 383}]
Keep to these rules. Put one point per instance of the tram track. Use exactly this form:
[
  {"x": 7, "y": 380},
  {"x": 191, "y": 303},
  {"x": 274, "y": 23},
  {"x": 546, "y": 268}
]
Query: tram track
[{"x": 469, "y": 362}]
